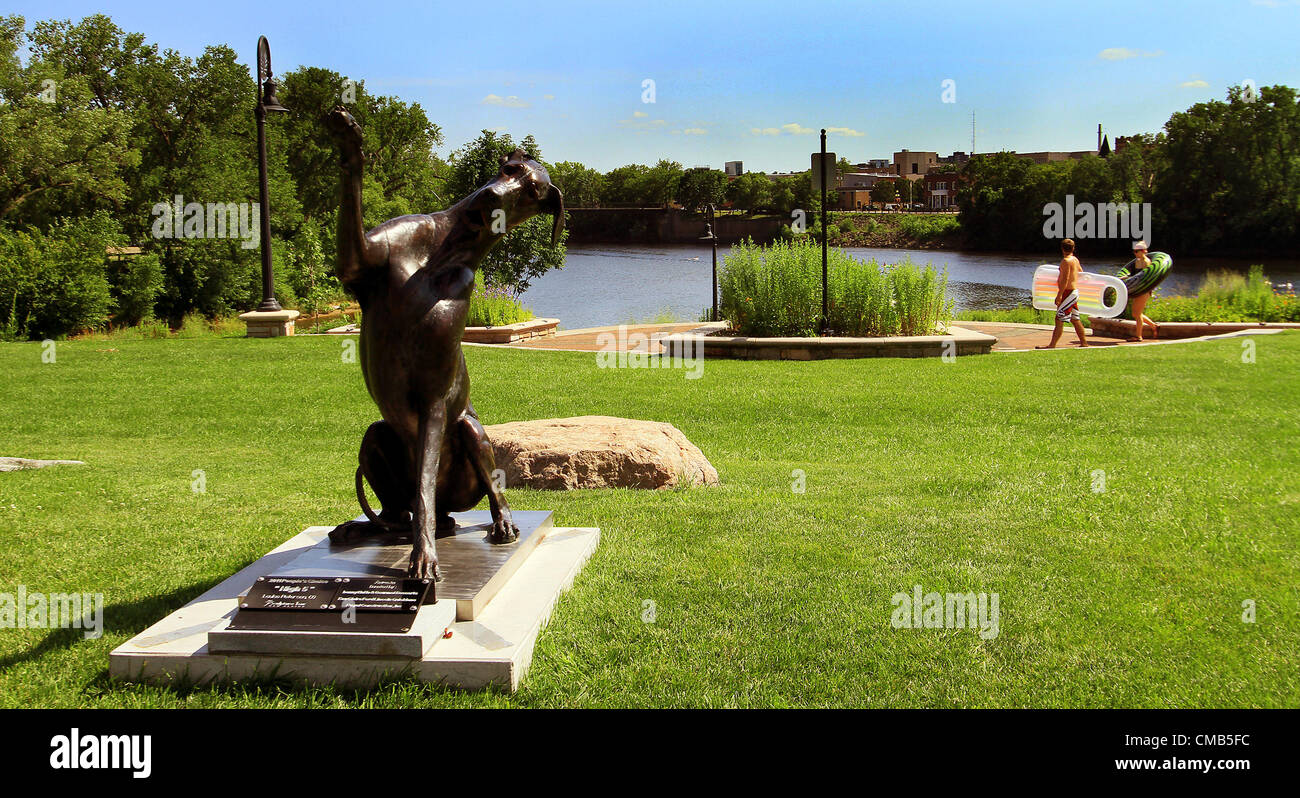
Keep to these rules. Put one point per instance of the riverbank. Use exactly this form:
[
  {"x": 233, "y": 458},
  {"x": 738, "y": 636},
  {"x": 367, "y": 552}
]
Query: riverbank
[
  {"x": 926, "y": 231},
  {"x": 846, "y": 228}
]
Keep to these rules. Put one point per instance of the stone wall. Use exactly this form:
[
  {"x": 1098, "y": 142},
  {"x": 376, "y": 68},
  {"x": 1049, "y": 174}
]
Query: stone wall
[{"x": 662, "y": 226}]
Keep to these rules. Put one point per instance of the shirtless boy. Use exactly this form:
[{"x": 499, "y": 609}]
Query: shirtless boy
[{"x": 1067, "y": 295}]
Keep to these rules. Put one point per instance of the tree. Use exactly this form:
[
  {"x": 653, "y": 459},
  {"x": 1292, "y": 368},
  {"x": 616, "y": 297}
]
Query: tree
[
  {"x": 700, "y": 187},
  {"x": 884, "y": 191},
  {"x": 581, "y": 185},
  {"x": 750, "y": 191},
  {"x": 659, "y": 183},
  {"x": 403, "y": 175},
  {"x": 526, "y": 251},
  {"x": 621, "y": 186},
  {"x": 1230, "y": 172},
  {"x": 63, "y": 151}
]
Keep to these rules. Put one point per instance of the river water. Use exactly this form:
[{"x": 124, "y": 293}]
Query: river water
[{"x": 617, "y": 284}]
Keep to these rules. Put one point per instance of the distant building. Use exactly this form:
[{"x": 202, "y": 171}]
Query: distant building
[
  {"x": 734, "y": 168},
  {"x": 858, "y": 180},
  {"x": 775, "y": 176},
  {"x": 914, "y": 163},
  {"x": 957, "y": 158},
  {"x": 854, "y": 193},
  {"x": 941, "y": 190}
]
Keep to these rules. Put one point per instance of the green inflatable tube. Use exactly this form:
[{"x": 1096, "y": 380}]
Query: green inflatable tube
[{"x": 1144, "y": 281}]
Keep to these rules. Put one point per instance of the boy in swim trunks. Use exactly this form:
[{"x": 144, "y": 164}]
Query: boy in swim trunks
[{"x": 1067, "y": 295}]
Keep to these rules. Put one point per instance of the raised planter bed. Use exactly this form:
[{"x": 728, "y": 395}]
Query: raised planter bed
[
  {"x": 510, "y": 333},
  {"x": 1124, "y": 328},
  {"x": 956, "y": 341},
  {"x": 505, "y": 334}
]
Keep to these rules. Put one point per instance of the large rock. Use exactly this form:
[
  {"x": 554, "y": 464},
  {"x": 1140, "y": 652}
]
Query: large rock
[
  {"x": 597, "y": 452},
  {"x": 20, "y": 463}
]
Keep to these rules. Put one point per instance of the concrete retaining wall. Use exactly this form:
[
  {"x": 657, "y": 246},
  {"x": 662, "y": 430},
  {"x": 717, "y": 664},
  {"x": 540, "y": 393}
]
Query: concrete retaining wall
[
  {"x": 956, "y": 342},
  {"x": 662, "y": 226},
  {"x": 1124, "y": 328}
]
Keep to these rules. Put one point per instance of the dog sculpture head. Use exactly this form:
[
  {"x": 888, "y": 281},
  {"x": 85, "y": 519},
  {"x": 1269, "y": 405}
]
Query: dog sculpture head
[{"x": 521, "y": 191}]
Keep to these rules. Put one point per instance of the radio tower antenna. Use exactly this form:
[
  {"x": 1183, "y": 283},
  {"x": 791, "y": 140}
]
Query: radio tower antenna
[{"x": 972, "y": 133}]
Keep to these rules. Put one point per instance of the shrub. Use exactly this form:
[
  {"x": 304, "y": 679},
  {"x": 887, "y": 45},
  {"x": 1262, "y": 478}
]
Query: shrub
[
  {"x": 55, "y": 282},
  {"x": 134, "y": 282},
  {"x": 493, "y": 307},
  {"x": 1229, "y": 296},
  {"x": 776, "y": 291}
]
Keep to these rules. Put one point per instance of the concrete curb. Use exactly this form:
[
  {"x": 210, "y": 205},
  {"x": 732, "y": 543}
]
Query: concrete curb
[{"x": 957, "y": 341}]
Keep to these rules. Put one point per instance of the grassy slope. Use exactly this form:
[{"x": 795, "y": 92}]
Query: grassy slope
[{"x": 969, "y": 476}]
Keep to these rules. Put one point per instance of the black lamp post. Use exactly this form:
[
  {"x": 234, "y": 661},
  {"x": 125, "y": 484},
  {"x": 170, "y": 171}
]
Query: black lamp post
[
  {"x": 711, "y": 235},
  {"x": 266, "y": 102},
  {"x": 825, "y": 297}
]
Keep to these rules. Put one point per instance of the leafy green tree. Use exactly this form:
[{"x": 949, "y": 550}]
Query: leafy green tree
[
  {"x": 581, "y": 185},
  {"x": 658, "y": 186},
  {"x": 403, "y": 175},
  {"x": 621, "y": 186},
  {"x": 54, "y": 282},
  {"x": 750, "y": 191},
  {"x": 700, "y": 187},
  {"x": 1230, "y": 173},
  {"x": 62, "y": 151},
  {"x": 526, "y": 252},
  {"x": 884, "y": 191}
]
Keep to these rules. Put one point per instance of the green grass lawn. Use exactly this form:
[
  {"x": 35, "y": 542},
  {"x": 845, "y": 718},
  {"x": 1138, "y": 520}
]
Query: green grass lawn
[{"x": 966, "y": 476}]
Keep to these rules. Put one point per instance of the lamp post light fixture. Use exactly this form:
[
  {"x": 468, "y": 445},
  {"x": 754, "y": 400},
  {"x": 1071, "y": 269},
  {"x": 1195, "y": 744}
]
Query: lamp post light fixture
[
  {"x": 269, "y": 320},
  {"x": 711, "y": 235}
]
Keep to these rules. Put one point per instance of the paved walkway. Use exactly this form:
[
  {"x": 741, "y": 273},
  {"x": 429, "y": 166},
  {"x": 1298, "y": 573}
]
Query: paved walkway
[
  {"x": 644, "y": 337},
  {"x": 1019, "y": 337}
]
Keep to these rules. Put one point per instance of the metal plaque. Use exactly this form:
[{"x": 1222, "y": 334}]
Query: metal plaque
[{"x": 332, "y": 603}]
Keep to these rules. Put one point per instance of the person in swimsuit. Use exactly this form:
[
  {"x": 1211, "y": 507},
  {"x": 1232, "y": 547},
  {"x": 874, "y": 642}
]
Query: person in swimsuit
[
  {"x": 1141, "y": 261},
  {"x": 1067, "y": 296}
]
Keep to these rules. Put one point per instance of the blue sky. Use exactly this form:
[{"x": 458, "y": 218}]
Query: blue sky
[{"x": 753, "y": 81}]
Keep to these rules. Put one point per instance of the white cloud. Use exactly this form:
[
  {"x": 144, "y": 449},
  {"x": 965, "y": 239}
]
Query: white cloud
[
  {"x": 844, "y": 131},
  {"x": 548, "y": 96},
  {"x": 793, "y": 129},
  {"x": 505, "y": 102},
  {"x": 1125, "y": 53},
  {"x": 640, "y": 123},
  {"x": 1194, "y": 84},
  {"x": 695, "y": 131}
]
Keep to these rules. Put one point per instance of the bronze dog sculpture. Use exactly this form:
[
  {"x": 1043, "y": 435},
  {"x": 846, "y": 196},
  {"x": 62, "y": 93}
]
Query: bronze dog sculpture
[{"x": 413, "y": 277}]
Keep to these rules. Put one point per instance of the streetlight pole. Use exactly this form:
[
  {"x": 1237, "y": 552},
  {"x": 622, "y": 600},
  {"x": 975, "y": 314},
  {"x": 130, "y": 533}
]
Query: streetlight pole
[
  {"x": 269, "y": 320},
  {"x": 711, "y": 235},
  {"x": 266, "y": 101},
  {"x": 825, "y": 297}
]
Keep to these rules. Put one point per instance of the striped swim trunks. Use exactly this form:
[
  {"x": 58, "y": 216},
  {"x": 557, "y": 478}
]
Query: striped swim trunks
[{"x": 1068, "y": 310}]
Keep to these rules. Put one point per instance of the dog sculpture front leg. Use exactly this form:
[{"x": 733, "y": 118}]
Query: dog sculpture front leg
[
  {"x": 424, "y": 524},
  {"x": 478, "y": 450}
]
